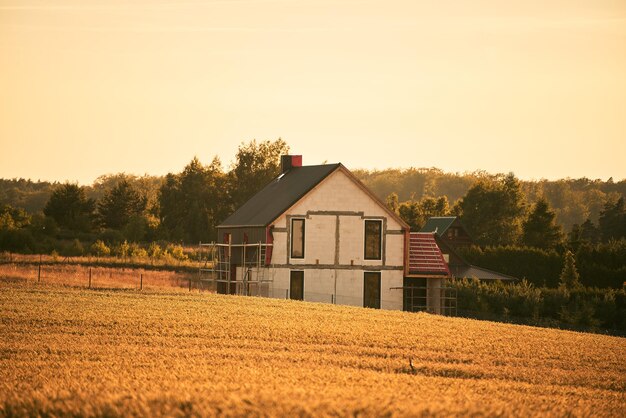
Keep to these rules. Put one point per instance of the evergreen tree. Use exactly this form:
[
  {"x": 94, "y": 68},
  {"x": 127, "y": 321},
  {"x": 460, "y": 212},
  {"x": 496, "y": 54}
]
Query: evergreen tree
[
  {"x": 70, "y": 208},
  {"x": 587, "y": 233},
  {"x": 492, "y": 210},
  {"x": 120, "y": 204},
  {"x": 613, "y": 220},
  {"x": 569, "y": 275},
  {"x": 540, "y": 229}
]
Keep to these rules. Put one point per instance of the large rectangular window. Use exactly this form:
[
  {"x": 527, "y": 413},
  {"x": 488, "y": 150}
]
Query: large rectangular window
[
  {"x": 371, "y": 290},
  {"x": 297, "y": 238},
  {"x": 296, "y": 285},
  {"x": 373, "y": 239}
]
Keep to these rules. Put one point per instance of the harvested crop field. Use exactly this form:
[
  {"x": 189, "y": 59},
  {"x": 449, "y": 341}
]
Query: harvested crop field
[{"x": 68, "y": 351}]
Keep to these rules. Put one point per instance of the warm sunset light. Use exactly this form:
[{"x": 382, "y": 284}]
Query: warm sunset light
[
  {"x": 312, "y": 208},
  {"x": 92, "y": 87}
]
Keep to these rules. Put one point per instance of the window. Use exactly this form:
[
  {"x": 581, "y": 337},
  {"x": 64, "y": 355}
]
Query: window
[
  {"x": 371, "y": 290},
  {"x": 296, "y": 285},
  {"x": 373, "y": 239},
  {"x": 297, "y": 238}
]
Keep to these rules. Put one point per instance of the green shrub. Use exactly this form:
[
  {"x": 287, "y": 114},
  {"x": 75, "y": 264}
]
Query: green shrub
[
  {"x": 587, "y": 308},
  {"x": 100, "y": 249}
]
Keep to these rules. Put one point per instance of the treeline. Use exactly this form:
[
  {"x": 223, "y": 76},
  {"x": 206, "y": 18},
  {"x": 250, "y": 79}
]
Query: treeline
[
  {"x": 573, "y": 200},
  {"x": 523, "y": 239},
  {"x": 600, "y": 265},
  {"x": 522, "y": 228},
  {"x": 568, "y": 305},
  {"x": 182, "y": 207}
]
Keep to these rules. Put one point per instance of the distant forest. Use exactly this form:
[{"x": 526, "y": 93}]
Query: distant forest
[
  {"x": 521, "y": 228},
  {"x": 573, "y": 200}
]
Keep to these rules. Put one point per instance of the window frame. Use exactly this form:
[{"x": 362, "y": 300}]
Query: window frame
[
  {"x": 291, "y": 278},
  {"x": 291, "y": 241},
  {"x": 380, "y": 240},
  {"x": 379, "y": 278}
]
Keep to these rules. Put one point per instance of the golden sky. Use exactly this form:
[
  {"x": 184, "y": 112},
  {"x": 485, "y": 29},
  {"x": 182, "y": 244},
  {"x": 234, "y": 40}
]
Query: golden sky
[{"x": 89, "y": 87}]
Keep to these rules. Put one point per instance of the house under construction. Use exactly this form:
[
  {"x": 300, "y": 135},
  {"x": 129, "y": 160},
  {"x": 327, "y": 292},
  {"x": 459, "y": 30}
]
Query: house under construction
[{"x": 316, "y": 233}]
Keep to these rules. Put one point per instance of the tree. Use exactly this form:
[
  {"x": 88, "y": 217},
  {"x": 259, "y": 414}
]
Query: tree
[
  {"x": 540, "y": 229},
  {"x": 70, "y": 208},
  {"x": 392, "y": 202},
  {"x": 569, "y": 278},
  {"x": 492, "y": 210},
  {"x": 256, "y": 165},
  {"x": 417, "y": 213},
  {"x": 120, "y": 204},
  {"x": 100, "y": 249},
  {"x": 410, "y": 213},
  {"x": 193, "y": 202},
  {"x": 587, "y": 233},
  {"x": 613, "y": 220},
  {"x": 13, "y": 218}
]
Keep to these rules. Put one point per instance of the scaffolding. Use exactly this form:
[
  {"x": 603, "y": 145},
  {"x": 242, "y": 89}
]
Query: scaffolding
[{"x": 240, "y": 269}]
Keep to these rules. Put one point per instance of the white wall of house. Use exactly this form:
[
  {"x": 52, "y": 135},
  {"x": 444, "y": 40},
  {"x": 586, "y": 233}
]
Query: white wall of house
[{"x": 335, "y": 212}]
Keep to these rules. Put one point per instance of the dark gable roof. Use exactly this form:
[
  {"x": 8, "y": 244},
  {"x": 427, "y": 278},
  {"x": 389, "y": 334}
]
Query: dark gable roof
[
  {"x": 438, "y": 224},
  {"x": 278, "y": 196}
]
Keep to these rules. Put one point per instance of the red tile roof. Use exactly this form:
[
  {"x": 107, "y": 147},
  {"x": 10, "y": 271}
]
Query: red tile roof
[{"x": 425, "y": 256}]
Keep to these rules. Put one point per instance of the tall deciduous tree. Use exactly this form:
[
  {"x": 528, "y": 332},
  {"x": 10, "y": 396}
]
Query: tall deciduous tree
[
  {"x": 392, "y": 202},
  {"x": 417, "y": 213},
  {"x": 70, "y": 208},
  {"x": 120, "y": 204},
  {"x": 492, "y": 210},
  {"x": 256, "y": 165},
  {"x": 193, "y": 202},
  {"x": 540, "y": 229}
]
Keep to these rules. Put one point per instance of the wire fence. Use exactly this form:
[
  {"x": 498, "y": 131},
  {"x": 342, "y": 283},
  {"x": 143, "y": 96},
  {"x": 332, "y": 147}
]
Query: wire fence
[{"x": 97, "y": 277}]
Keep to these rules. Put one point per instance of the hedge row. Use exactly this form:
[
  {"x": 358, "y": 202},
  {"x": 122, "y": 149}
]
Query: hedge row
[
  {"x": 601, "y": 265},
  {"x": 586, "y": 308}
]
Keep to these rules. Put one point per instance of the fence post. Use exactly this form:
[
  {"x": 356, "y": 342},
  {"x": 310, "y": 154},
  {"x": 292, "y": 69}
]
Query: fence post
[
  {"x": 190, "y": 284},
  {"x": 39, "y": 270},
  {"x": 141, "y": 281},
  {"x": 286, "y": 293},
  {"x": 90, "y": 277}
]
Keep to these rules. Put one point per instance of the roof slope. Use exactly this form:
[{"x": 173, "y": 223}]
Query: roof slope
[
  {"x": 425, "y": 257},
  {"x": 438, "y": 224},
  {"x": 278, "y": 196}
]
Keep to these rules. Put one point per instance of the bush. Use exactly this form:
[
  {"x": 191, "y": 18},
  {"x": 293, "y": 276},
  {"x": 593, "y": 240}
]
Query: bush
[
  {"x": 100, "y": 249},
  {"x": 154, "y": 251},
  {"x": 73, "y": 249},
  {"x": 176, "y": 252},
  {"x": 122, "y": 250},
  {"x": 17, "y": 240},
  {"x": 588, "y": 308},
  {"x": 136, "y": 251}
]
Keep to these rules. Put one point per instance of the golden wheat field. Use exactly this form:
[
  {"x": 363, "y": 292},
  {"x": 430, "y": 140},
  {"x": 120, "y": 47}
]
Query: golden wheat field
[{"x": 78, "y": 352}]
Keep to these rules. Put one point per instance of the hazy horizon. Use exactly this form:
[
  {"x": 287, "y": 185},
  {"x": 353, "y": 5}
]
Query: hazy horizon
[{"x": 97, "y": 87}]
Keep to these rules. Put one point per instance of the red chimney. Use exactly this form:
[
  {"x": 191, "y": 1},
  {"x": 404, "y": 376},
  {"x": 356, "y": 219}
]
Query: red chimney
[{"x": 290, "y": 161}]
